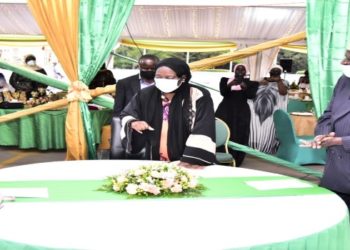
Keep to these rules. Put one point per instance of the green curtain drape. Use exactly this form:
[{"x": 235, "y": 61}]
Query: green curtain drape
[
  {"x": 328, "y": 24},
  {"x": 100, "y": 25}
]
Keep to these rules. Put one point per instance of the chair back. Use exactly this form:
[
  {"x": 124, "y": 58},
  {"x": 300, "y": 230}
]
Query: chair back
[
  {"x": 222, "y": 133},
  {"x": 117, "y": 150},
  {"x": 285, "y": 132}
]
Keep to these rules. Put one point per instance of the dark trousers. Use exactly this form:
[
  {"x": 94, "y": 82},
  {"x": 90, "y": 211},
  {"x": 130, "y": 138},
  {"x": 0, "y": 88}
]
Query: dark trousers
[{"x": 345, "y": 198}]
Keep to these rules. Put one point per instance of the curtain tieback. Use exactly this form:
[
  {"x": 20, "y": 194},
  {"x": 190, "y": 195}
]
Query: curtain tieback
[{"x": 78, "y": 91}]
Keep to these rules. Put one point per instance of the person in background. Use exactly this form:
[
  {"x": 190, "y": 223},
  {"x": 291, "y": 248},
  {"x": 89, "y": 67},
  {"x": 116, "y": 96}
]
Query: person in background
[
  {"x": 271, "y": 95},
  {"x": 5, "y": 90},
  {"x": 173, "y": 120},
  {"x": 333, "y": 132},
  {"x": 103, "y": 78},
  {"x": 304, "y": 82},
  {"x": 234, "y": 109},
  {"x": 21, "y": 83},
  {"x": 129, "y": 86}
]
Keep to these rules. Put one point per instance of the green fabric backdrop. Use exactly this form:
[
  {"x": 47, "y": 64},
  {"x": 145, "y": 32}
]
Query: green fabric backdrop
[
  {"x": 45, "y": 130},
  {"x": 328, "y": 24},
  {"x": 100, "y": 25}
]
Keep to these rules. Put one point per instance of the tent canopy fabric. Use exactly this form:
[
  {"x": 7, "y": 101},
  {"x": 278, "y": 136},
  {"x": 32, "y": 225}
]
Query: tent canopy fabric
[{"x": 241, "y": 22}]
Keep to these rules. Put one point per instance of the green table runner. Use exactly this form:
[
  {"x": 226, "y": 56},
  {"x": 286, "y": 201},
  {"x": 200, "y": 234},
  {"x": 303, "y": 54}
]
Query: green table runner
[
  {"x": 45, "y": 130},
  {"x": 228, "y": 187}
]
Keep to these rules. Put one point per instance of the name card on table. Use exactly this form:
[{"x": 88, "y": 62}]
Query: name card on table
[
  {"x": 278, "y": 184},
  {"x": 24, "y": 192}
]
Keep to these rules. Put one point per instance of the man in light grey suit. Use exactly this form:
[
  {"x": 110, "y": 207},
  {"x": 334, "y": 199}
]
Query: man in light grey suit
[{"x": 333, "y": 132}]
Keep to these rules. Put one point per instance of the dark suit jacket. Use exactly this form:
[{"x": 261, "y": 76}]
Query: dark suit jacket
[
  {"x": 125, "y": 90},
  {"x": 336, "y": 118}
]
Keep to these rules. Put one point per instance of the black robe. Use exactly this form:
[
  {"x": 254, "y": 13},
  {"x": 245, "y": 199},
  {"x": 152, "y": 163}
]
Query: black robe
[
  {"x": 234, "y": 110},
  {"x": 191, "y": 132}
]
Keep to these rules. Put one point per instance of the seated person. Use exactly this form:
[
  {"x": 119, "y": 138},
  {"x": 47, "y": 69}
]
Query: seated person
[
  {"x": 21, "y": 83},
  {"x": 304, "y": 82},
  {"x": 5, "y": 90},
  {"x": 173, "y": 120},
  {"x": 103, "y": 78}
]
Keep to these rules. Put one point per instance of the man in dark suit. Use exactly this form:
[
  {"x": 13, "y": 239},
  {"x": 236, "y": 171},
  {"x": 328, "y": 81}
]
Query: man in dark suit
[
  {"x": 333, "y": 132},
  {"x": 129, "y": 86}
]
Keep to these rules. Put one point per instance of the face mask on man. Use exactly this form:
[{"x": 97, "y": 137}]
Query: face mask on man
[
  {"x": 147, "y": 74},
  {"x": 31, "y": 63},
  {"x": 167, "y": 85},
  {"x": 346, "y": 70}
]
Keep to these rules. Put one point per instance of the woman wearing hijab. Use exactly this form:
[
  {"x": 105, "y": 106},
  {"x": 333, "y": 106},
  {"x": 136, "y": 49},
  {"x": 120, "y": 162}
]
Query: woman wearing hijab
[
  {"x": 234, "y": 109},
  {"x": 172, "y": 120},
  {"x": 271, "y": 95},
  {"x": 21, "y": 83}
]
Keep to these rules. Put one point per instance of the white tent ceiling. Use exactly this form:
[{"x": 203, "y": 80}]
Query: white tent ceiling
[{"x": 244, "y": 22}]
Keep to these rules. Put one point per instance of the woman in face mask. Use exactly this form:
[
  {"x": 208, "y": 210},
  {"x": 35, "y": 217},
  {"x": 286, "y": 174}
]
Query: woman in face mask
[
  {"x": 234, "y": 109},
  {"x": 23, "y": 84},
  {"x": 333, "y": 132},
  {"x": 172, "y": 120}
]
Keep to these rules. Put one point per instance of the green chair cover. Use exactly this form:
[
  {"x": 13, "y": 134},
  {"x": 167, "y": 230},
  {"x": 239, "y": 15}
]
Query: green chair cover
[
  {"x": 222, "y": 134},
  {"x": 289, "y": 149}
]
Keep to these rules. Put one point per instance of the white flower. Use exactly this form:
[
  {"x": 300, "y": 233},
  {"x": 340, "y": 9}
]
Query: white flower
[
  {"x": 167, "y": 183},
  {"x": 176, "y": 188},
  {"x": 144, "y": 186},
  {"x": 193, "y": 183},
  {"x": 155, "y": 174},
  {"x": 169, "y": 175},
  {"x": 139, "y": 172},
  {"x": 153, "y": 189},
  {"x": 121, "y": 179},
  {"x": 150, "y": 179},
  {"x": 116, "y": 187},
  {"x": 131, "y": 188},
  {"x": 154, "y": 179}
]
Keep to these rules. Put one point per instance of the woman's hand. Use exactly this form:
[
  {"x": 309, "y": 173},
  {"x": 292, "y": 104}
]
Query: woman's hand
[
  {"x": 315, "y": 143},
  {"x": 322, "y": 141},
  {"x": 188, "y": 165},
  {"x": 140, "y": 126},
  {"x": 331, "y": 140}
]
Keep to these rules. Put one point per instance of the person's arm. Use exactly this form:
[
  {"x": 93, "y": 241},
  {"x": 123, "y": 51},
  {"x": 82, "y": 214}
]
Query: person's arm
[
  {"x": 200, "y": 145},
  {"x": 225, "y": 88},
  {"x": 133, "y": 140},
  {"x": 14, "y": 81},
  {"x": 324, "y": 123},
  {"x": 251, "y": 88},
  {"x": 323, "y": 131},
  {"x": 282, "y": 88}
]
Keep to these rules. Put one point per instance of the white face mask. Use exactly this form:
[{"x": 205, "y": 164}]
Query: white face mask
[
  {"x": 346, "y": 70},
  {"x": 167, "y": 85},
  {"x": 31, "y": 63}
]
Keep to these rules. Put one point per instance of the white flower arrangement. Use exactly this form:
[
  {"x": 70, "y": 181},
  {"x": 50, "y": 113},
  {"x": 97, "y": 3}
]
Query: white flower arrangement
[{"x": 155, "y": 180}]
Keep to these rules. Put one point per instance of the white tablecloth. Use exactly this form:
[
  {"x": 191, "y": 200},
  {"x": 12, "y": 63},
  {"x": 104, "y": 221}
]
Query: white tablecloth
[{"x": 159, "y": 223}]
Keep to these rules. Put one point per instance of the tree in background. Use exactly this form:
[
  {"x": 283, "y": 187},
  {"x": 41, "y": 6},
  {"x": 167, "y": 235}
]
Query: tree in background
[
  {"x": 135, "y": 53},
  {"x": 299, "y": 59}
]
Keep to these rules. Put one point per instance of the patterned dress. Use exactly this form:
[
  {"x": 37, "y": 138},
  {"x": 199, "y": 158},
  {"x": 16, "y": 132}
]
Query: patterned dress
[{"x": 262, "y": 129}]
